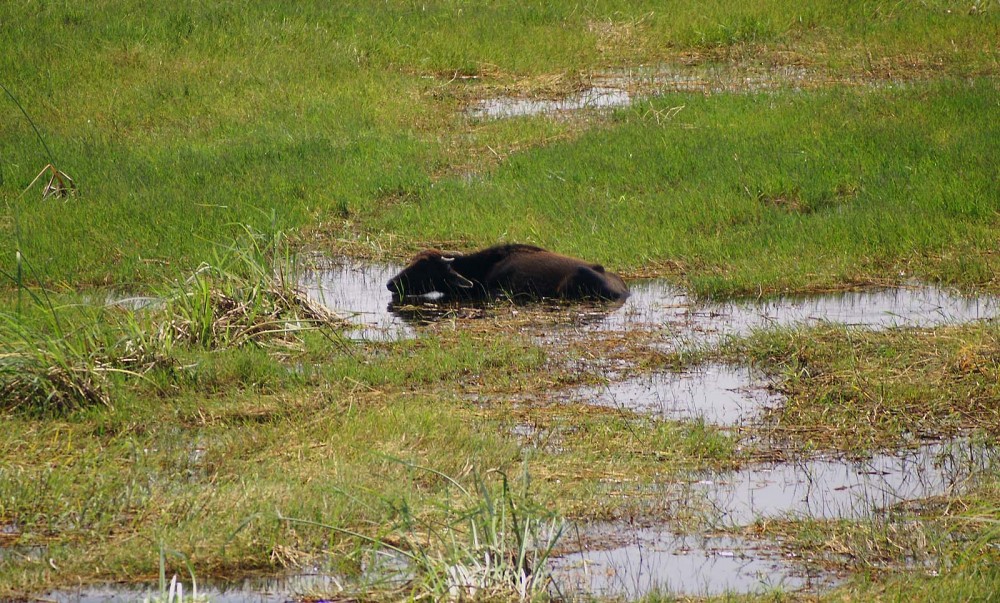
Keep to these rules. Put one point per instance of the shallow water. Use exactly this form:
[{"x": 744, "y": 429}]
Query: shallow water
[
  {"x": 721, "y": 395},
  {"x": 629, "y": 562},
  {"x": 626, "y": 561},
  {"x": 836, "y": 488},
  {"x": 658, "y": 304},
  {"x": 259, "y": 590},
  {"x": 357, "y": 291},
  {"x": 621, "y": 88},
  {"x": 598, "y": 97}
]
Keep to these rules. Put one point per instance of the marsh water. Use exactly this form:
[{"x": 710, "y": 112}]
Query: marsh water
[
  {"x": 728, "y": 396},
  {"x": 830, "y": 487},
  {"x": 357, "y": 291},
  {"x": 630, "y": 561},
  {"x": 633, "y": 561},
  {"x": 626, "y": 561},
  {"x": 623, "y": 561},
  {"x": 251, "y": 590}
]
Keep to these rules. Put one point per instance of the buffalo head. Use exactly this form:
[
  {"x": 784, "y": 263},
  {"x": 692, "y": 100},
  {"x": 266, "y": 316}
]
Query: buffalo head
[{"x": 428, "y": 271}]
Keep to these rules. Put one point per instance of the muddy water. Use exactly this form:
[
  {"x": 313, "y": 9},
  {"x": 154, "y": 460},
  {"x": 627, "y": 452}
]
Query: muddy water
[
  {"x": 842, "y": 489},
  {"x": 357, "y": 292},
  {"x": 630, "y": 562},
  {"x": 723, "y": 395}
]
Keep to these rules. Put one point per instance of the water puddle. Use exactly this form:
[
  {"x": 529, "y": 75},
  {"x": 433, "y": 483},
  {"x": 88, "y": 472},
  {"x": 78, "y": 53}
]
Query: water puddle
[
  {"x": 357, "y": 292},
  {"x": 259, "y": 590},
  {"x": 832, "y": 488},
  {"x": 384, "y": 571},
  {"x": 628, "y": 563},
  {"x": 598, "y": 97},
  {"x": 615, "y": 89},
  {"x": 21, "y": 553},
  {"x": 722, "y": 395},
  {"x": 655, "y": 303}
]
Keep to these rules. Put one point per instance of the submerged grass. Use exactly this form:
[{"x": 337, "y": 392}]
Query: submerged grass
[
  {"x": 491, "y": 544},
  {"x": 853, "y": 389}
]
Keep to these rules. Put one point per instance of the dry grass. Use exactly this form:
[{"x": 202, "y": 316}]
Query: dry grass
[{"x": 853, "y": 389}]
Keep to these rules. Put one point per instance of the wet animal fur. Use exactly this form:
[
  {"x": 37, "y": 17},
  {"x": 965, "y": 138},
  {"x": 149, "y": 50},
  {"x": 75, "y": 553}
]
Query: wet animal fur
[{"x": 519, "y": 271}]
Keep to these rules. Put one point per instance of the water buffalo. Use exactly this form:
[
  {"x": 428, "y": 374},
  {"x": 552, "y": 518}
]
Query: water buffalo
[{"x": 520, "y": 271}]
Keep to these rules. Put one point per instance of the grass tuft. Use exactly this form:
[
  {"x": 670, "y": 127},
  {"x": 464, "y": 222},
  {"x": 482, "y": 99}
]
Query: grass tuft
[
  {"x": 46, "y": 372},
  {"x": 492, "y": 544},
  {"x": 246, "y": 296}
]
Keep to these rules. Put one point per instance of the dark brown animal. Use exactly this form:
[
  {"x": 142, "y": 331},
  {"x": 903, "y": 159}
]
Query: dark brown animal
[{"x": 518, "y": 271}]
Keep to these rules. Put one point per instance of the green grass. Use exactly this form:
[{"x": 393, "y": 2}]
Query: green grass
[
  {"x": 180, "y": 123},
  {"x": 193, "y": 426},
  {"x": 847, "y": 186}
]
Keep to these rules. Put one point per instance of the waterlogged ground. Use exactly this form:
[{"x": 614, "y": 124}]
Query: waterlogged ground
[
  {"x": 696, "y": 449},
  {"x": 622, "y": 560},
  {"x": 714, "y": 553},
  {"x": 357, "y": 291},
  {"x": 615, "y": 89}
]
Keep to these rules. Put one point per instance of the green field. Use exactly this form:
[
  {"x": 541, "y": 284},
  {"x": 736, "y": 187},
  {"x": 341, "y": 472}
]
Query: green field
[{"x": 827, "y": 146}]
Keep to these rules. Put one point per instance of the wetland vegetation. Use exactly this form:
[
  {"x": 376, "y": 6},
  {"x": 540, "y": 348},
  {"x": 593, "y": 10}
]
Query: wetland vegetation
[{"x": 191, "y": 382}]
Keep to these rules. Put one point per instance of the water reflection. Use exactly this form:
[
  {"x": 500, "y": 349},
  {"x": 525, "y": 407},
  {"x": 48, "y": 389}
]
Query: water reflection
[
  {"x": 253, "y": 590},
  {"x": 656, "y": 303},
  {"x": 626, "y": 562},
  {"x": 598, "y": 97},
  {"x": 621, "y": 88},
  {"x": 358, "y": 291},
  {"x": 844, "y": 489},
  {"x": 718, "y": 394}
]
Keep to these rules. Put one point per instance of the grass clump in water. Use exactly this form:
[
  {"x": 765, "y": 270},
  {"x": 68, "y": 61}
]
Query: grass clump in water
[
  {"x": 56, "y": 360},
  {"x": 492, "y": 544},
  {"x": 247, "y": 295},
  {"x": 854, "y": 389}
]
